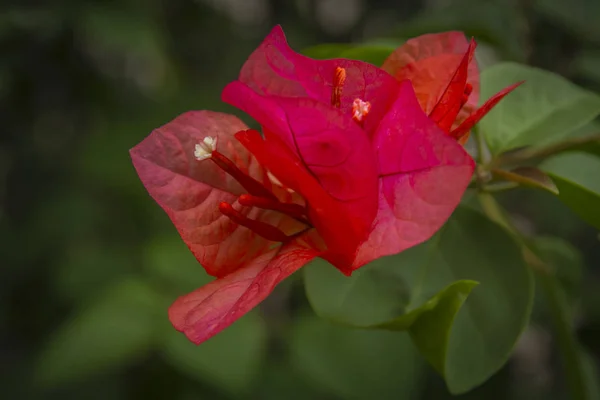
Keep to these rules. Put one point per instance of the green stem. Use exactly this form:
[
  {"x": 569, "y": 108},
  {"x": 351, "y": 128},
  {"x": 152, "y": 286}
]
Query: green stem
[
  {"x": 565, "y": 337},
  {"x": 482, "y": 150},
  {"x": 557, "y": 303},
  {"x": 529, "y": 154}
]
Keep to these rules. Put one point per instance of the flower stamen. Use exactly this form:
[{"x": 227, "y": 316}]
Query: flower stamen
[
  {"x": 267, "y": 231},
  {"x": 208, "y": 150},
  {"x": 339, "y": 79},
  {"x": 295, "y": 211},
  {"x": 205, "y": 148},
  {"x": 360, "y": 109}
]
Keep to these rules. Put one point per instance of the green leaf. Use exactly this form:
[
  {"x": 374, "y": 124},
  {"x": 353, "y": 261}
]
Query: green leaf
[
  {"x": 230, "y": 360},
  {"x": 423, "y": 280},
  {"x": 117, "y": 328},
  {"x": 327, "y": 50},
  {"x": 564, "y": 260},
  {"x": 545, "y": 109},
  {"x": 587, "y": 139},
  {"x": 374, "y": 53},
  {"x": 431, "y": 331},
  {"x": 576, "y": 176},
  {"x": 355, "y": 364}
]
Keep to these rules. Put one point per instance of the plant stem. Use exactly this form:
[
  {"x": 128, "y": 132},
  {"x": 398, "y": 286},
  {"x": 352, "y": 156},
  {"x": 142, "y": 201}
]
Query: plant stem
[
  {"x": 529, "y": 154},
  {"x": 565, "y": 337}
]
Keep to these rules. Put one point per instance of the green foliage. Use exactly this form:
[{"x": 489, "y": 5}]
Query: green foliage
[
  {"x": 91, "y": 264},
  {"x": 229, "y": 361},
  {"x": 115, "y": 329},
  {"x": 374, "y": 53},
  {"x": 565, "y": 262},
  {"x": 578, "y": 16},
  {"x": 498, "y": 22},
  {"x": 355, "y": 364},
  {"x": 172, "y": 266},
  {"x": 545, "y": 109},
  {"x": 394, "y": 293},
  {"x": 577, "y": 178}
]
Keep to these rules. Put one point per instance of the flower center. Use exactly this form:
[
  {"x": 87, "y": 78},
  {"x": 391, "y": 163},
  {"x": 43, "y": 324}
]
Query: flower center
[
  {"x": 360, "y": 108},
  {"x": 258, "y": 195},
  {"x": 339, "y": 78}
]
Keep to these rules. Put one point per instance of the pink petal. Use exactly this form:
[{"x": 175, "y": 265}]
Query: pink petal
[
  {"x": 474, "y": 118},
  {"x": 274, "y": 69},
  {"x": 429, "y": 62},
  {"x": 190, "y": 190},
  {"x": 424, "y": 174},
  {"x": 213, "y": 307}
]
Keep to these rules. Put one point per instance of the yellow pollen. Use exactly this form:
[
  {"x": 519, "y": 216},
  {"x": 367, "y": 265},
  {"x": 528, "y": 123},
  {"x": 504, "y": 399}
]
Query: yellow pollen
[{"x": 339, "y": 78}]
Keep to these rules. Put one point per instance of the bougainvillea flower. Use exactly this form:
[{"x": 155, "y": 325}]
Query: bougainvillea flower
[
  {"x": 444, "y": 73},
  {"x": 348, "y": 168}
]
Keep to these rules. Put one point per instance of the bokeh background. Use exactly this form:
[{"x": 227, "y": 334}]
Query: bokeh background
[{"x": 89, "y": 263}]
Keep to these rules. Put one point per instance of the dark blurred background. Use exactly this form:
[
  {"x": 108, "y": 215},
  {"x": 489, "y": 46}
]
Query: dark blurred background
[{"x": 90, "y": 263}]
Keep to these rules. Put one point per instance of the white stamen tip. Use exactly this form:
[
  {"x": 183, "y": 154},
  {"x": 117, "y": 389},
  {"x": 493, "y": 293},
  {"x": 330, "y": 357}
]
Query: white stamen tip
[
  {"x": 274, "y": 179},
  {"x": 204, "y": 150},
  {"x": 360, "y": 109},
  {"x": 277, "y": 182}
]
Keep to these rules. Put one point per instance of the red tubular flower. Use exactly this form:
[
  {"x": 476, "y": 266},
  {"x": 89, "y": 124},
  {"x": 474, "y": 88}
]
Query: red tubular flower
[
  {"x": 445, "y": 76},
  {"x": 349, "y": 169}
]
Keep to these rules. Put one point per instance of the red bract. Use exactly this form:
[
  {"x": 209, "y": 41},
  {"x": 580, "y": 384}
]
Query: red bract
[
  {"x": 444, "y": 73},
  {"x": 349, "y": 169}
]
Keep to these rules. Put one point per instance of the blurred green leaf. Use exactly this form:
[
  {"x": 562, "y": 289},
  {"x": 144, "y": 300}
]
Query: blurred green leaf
[
  {"x": 565, "y": 261},
  {"x": 587, "y": 64},
  {"x": 230, "y": 360},
  {"x": 369, "y": 53},
  {"x": 374, "y": 53},
  {"x": 355, "y": 364},
  {"x": 89, "y": 267},
  {"x": 281, "y": 380},
  {"x": 129, "y": 45},
  {"x": 115, "y": 329},
  {"x": 545, "y": 109},
  {"x": 499, "y": 22},
  {"x": 578, "y": 16},
  {"x": 577, "y": 175},
  {"x": 326, "y": 50},
  {"x": 591, "y": 376},
  {"x": 172, "y": 264},
  {"x": 484, "y": 331}
]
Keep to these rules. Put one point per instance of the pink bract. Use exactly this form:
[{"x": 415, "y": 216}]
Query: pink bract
[
  {"x": 444, "y": 73},
  {"x": 370, "y": 182}
]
